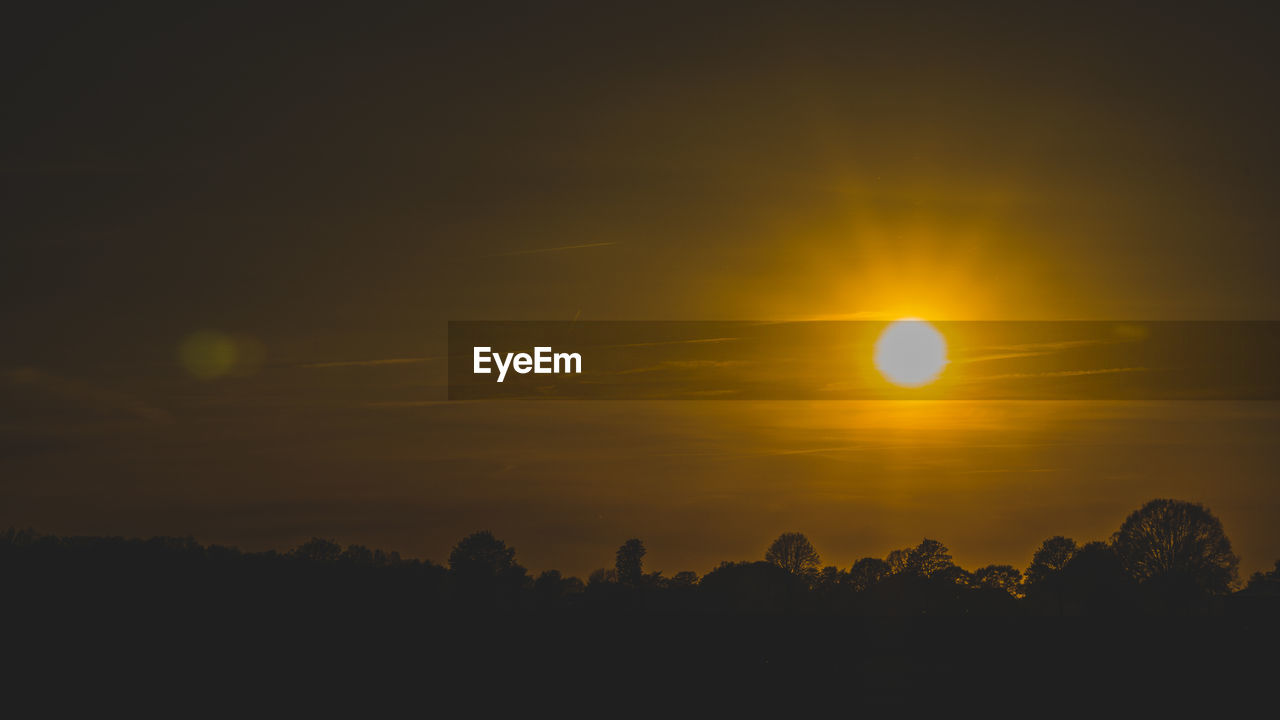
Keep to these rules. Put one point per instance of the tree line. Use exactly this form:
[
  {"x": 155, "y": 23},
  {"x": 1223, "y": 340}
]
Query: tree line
[{"x": 1167, "y": 556}]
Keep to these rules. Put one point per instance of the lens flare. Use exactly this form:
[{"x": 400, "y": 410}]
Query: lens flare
[{"x": 207, "y": 354}]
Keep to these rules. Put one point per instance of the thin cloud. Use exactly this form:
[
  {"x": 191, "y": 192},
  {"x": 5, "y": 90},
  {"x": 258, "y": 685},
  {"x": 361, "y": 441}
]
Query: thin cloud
[
  {"x": 1064, "y": 373},
  {"x": 689, "y": 394},
  {"x": 411, "y": 403},
  {"x": 369, "y": 363},
  {"x": 1009, "y": 352},
  {"x": 86, "y": 394},
  {"x": 561, "y": 248},
  {"x": 1049, "y": 346},
  {"x": 1001, "y": 471},
  {"x": 69, "y": 168},
  {"x": 857, "y": 316},
  {"x": 676, "y": 342},
  {"x": 685, "y": 365},
  {"x": 1003, "y": 356}
]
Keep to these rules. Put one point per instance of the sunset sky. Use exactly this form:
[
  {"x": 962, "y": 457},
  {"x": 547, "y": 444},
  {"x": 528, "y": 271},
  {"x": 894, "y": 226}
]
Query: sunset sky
[{"x": 309, "y": 196}]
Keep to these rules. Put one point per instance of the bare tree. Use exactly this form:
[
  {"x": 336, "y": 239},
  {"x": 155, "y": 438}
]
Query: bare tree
[
  {"x": 794, "y": 553},
  {"x": 1177, "y": 538}
]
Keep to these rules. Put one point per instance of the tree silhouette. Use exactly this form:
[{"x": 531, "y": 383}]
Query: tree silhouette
[
  {"x": 630, "y": 563},
  {"x": 548, "y": 586},
  {"x": 1167, "y": 538},
  {"x": 794, "y": 553},
  {"x": 1267, "y": 583},
  {"x": 482, "y": 550},
  {"x": 1095, "y": 583},
  {"x": 485, "y": 570},
  {"x": 752, "y": 587},
  {"x": 1169, "y": 557},
  {"x": 551, "y": 589},
  {"x": 318, "y": 550},
  {"x": 927, "y": 558},
  {"x": 867, "y": 572},
  {"x": 830, "y": 575},
  {"x": 683, "y": 579},
  {"x": 896, "y": 560},
  {"x": 602, "y": 576},
  {"x": 1044, "y": 575},
  {"x": 1052, "y": 556},
  {"x": 953, "y": 574},
  {"x": 998, "y": 577}
]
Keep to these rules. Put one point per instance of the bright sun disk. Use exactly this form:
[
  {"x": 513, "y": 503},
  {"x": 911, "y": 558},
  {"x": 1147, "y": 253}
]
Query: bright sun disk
[{"x": 911, "y": 352}]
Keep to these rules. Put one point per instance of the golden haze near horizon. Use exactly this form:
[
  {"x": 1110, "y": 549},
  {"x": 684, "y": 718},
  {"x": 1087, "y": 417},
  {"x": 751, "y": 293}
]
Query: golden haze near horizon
[{"x": 226, "y": 274}]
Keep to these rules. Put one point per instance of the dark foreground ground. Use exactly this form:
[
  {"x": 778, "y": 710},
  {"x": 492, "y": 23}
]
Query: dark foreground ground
[
  {"x": 372, "y": 653},
  {"x": 187, "y": 631}
]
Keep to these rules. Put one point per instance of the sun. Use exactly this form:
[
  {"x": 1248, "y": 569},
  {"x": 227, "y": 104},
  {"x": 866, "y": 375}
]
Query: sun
[{"x": 911, "y": 352}]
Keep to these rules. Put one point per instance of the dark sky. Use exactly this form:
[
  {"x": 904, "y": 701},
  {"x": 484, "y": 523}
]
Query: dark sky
[{"x": 332, "y": 184}]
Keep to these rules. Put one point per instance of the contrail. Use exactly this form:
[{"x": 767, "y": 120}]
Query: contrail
[{"x": 552, "y": 249}]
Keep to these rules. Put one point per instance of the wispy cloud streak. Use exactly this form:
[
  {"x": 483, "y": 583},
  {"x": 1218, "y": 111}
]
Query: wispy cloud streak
[
  {"x": 676, "y": 342},
  {"x": 561, "y": 248},
  {"x": 1010, "y": 352},
  {"x": 1064, "y": 373},
  {"x": 369, "y": 363}
]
